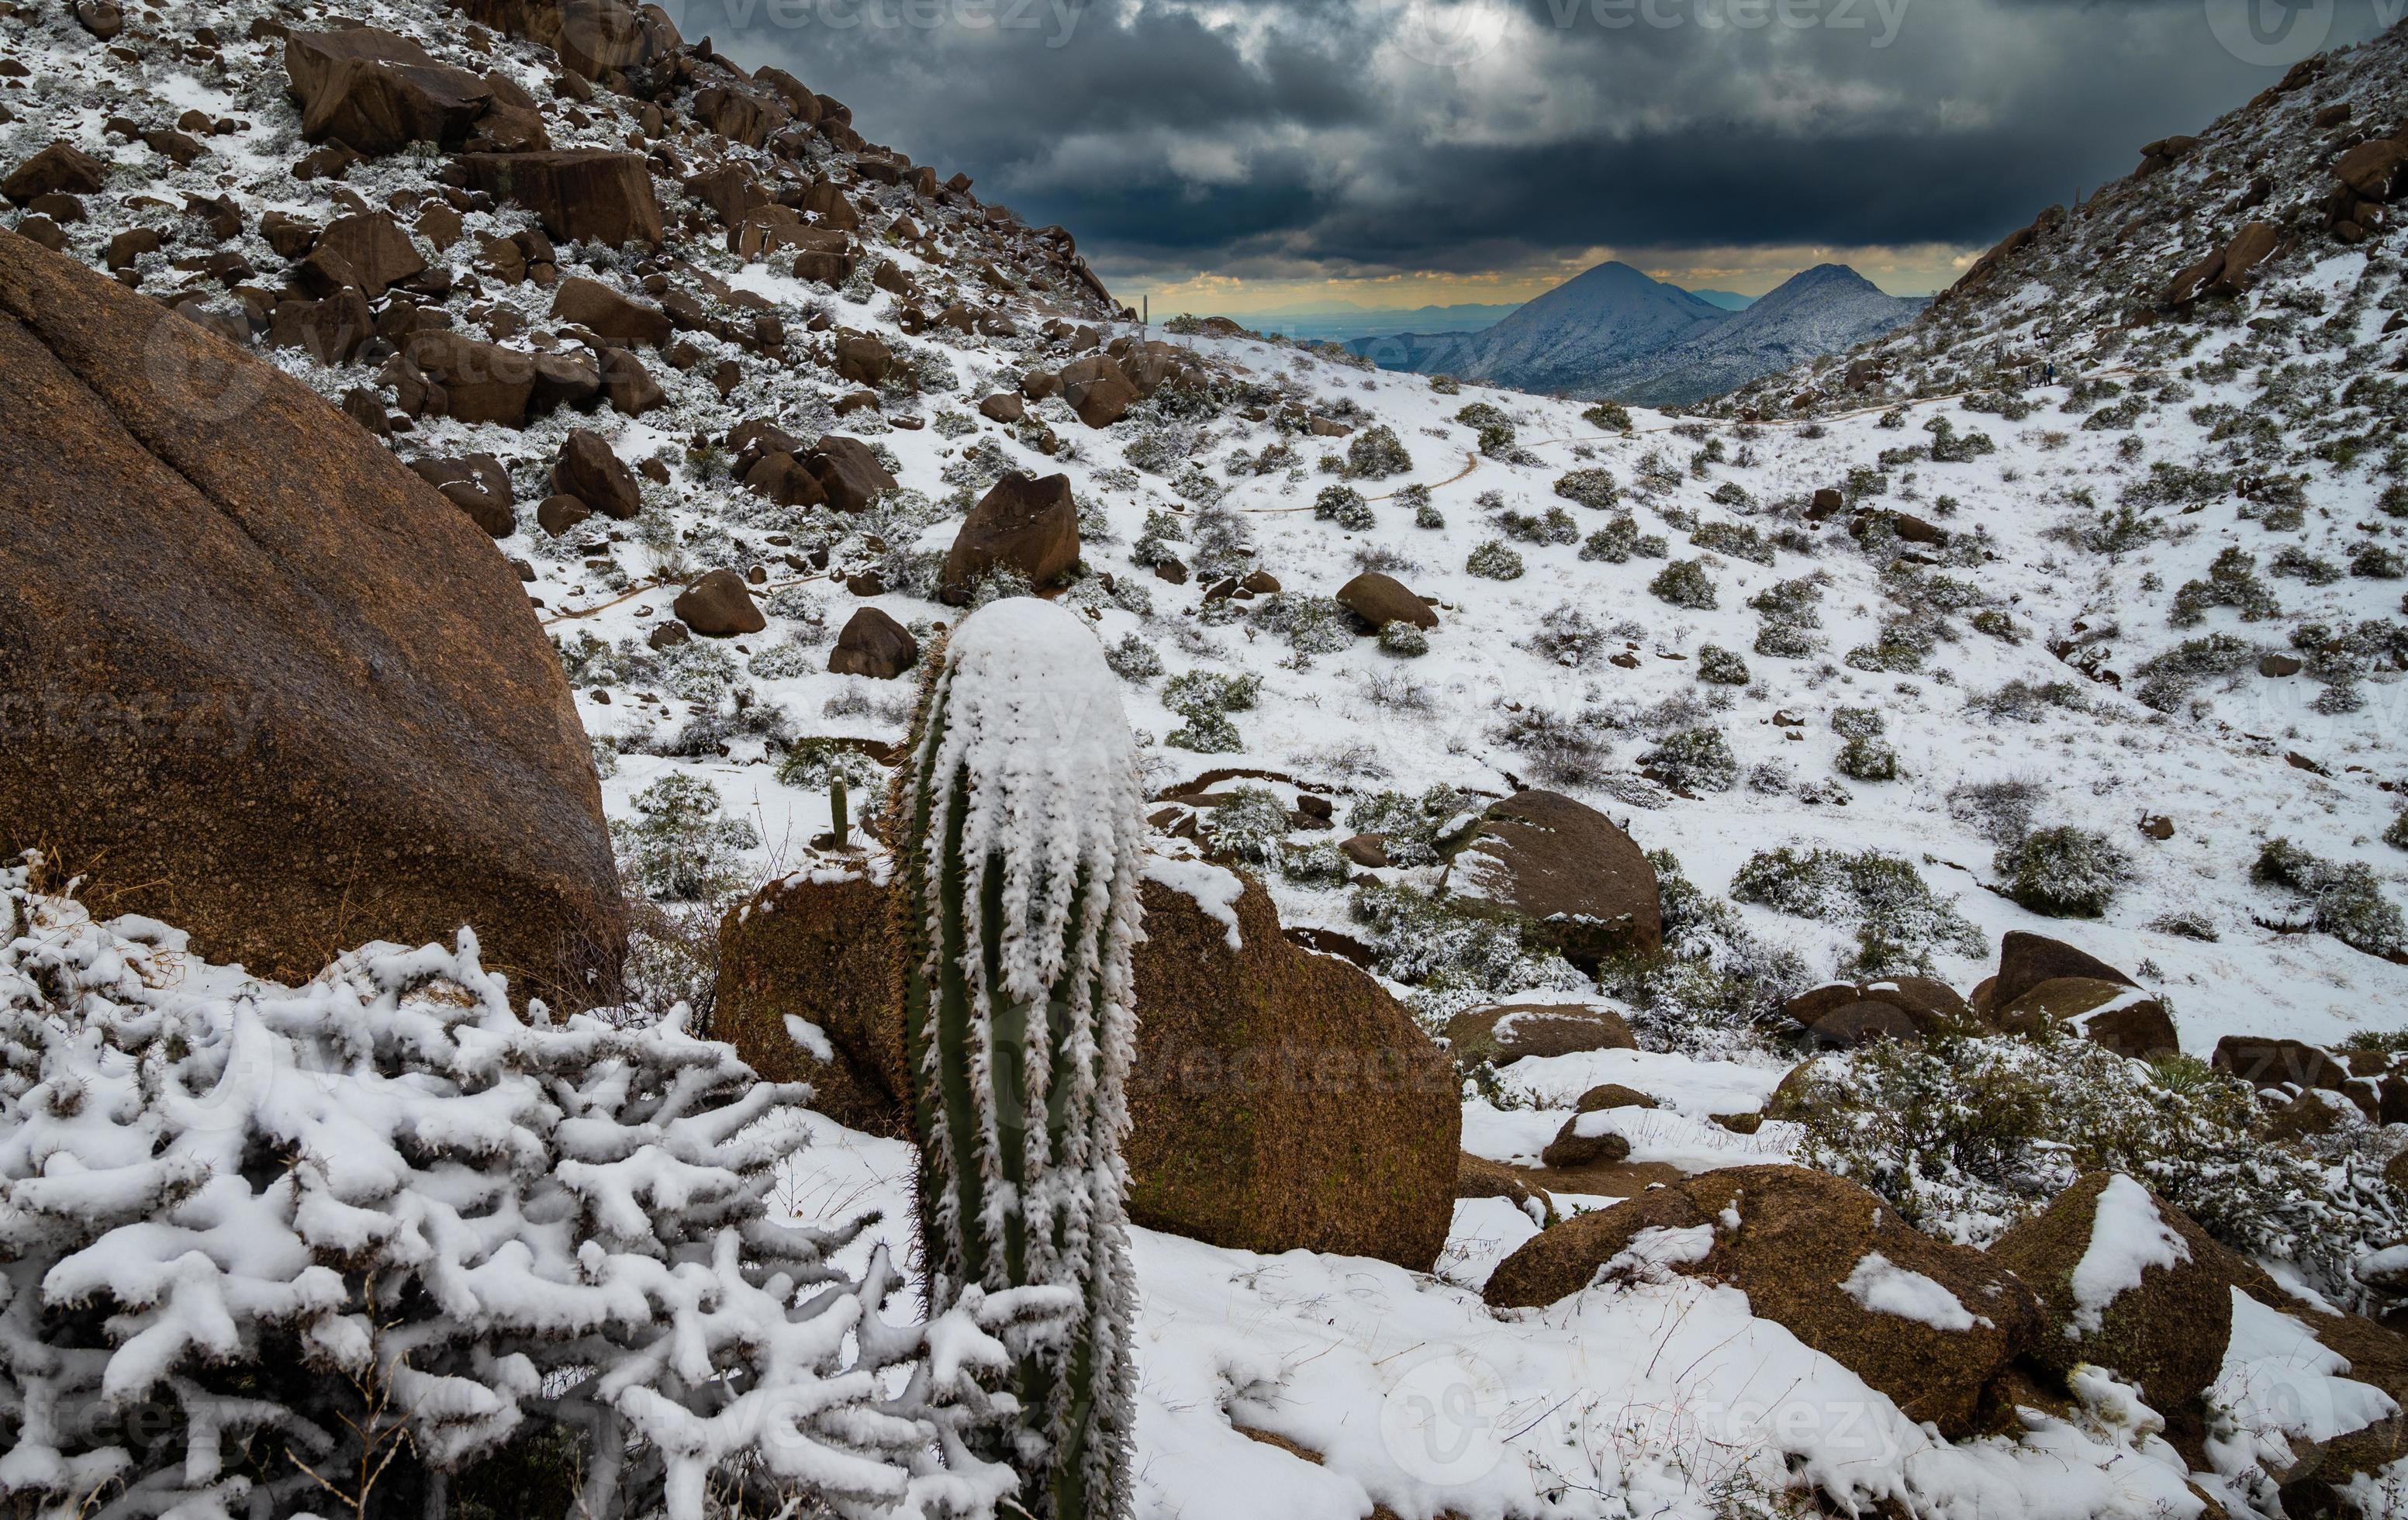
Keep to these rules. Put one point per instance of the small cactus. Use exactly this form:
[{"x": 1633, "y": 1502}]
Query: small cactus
[
  {"x": 1021, "y": 831},
  {"x": 839, "y": 811}
]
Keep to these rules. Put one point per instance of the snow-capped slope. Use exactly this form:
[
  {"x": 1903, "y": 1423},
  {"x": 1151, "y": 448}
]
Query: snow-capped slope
[
  {"x": 1825, "y": 309},
  {"x": 1575, "y": 339}
]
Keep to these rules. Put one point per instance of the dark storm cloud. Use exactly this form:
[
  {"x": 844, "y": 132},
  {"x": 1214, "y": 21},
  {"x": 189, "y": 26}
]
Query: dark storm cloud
[{"x": 1296, "y": 138}]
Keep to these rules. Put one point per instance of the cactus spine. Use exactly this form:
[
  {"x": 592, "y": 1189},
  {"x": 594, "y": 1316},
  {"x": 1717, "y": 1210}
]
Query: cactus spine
[{"x": 1022, "y": 831}]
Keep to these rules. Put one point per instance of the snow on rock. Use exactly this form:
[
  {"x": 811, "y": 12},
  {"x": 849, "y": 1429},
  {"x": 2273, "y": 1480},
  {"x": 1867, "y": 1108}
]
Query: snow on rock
[
  {"x": 2127, "y": 1237},
  {"x": 1885, "y": 1287},
  {"x": 1210, "y": 887}
]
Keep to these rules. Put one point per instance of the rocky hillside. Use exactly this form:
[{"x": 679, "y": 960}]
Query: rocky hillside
[{"x": 1885, "y": 830}]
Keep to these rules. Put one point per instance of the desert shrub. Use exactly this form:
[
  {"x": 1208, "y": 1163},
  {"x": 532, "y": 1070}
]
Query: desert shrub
[
  {"x": 2001, "y": 809},
  {"x": 317, "y": 1246},
  {"x": 1967, "y": 1136},
  {"x": 2372, "y": 560},
  {"x": 1310, "y": 624},
  {"x": 677, "y": 848},
  {"x": 1375, "y": 453},
  {"x": 1492, "y": 561},
  {"x": 1694, "y": 760},
  {"x": 2397, "y": 835},
  {"x": 1898, "y": 920},
  {"x": 1413, "y": 827},
  {"x": 1589, "y": 488},
  {"x": 1133, "y": 659},
  {"x": 1620, "y": 541},
  {"x": 1899, "y": 648},
  {"x": 1206, "y": 698},
  {"x": 1608, "y": 416},
  {"x": 1719, "y": 667},
  {"x": 1224, "y": 544},
  {"x": 814, "y": 763},
  {"x": 2293, "y": 562},
  {"x": 1497, "y": 441},
  {"x": 1686, "y": 583},
  {"x": 1424, "y": 943},
  {"x": 2230, "y": 581},
  {"x": 1403, "y": 639},
  {"x": 1859, "y": 723},
  {"x": 1739, "y": 540},
  {"x": 1791, "y": 612},
  {"x": 1479, "y": 415},
  {"x": 2168, "y": 680},
  {"x": 1567, "y": 636},
  {"x": 1562, "y": 751},
  {"x": 1344, "y": 506},
  {"x": 1867, "y": 759},
  {"x": 2344, "y": 899},
  {"x": 1250, "y": 827},
  {"x": 2065, "y": 872},
  {"x": 1552, "y": 526}
]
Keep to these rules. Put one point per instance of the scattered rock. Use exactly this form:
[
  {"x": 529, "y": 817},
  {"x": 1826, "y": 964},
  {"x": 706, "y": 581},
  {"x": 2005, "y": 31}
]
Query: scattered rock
[
  {"x": 1379, "y": 600},
  {"x": 2026, "y": 960},
  {"x": 1898, "y": 1007},
  {"x": 580, "y": 194},
  {"x": 1027, "y": 527},
  {"x": 2123, "y": 1018},
  {"x": 478, "y": 486},
  {"x": 1577, "y": 884},
  {"x": 719, "y": 606},
  {"x": 1585, "y": 1141},
  {"x": 59, "y": 167},
  {"x": 1097, "y": 390},
  {"x": 609, "y": 315},
  {"x": 849, "y": 472},
  {"x": 1506, "y": 1034},
  {"x": 592, "y": 472},
  {"x": 376, "y": 92},
  {"x": 874, "y": 645},
  {"x": 1929, "y": 1324}
]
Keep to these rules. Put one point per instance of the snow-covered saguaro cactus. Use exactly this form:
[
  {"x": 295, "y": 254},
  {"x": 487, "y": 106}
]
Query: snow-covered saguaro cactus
[{"x": 1021, "y": 826}]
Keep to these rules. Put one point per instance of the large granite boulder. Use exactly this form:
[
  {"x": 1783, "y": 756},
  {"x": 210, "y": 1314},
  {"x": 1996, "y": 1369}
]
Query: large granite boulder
[
  {"x": 1029, "y": 527},
  {"x": 263, "y": 680},
  {"x": 1575, "y": 881}
]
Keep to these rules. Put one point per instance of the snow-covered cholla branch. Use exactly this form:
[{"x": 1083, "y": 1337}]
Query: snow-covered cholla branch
[
  {"x": 1024, "y": 832},
  {"x": 266, "y": 1250}
]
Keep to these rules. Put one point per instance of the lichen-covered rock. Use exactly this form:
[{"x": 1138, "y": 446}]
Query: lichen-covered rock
[{"x": 1573, "y": 880}]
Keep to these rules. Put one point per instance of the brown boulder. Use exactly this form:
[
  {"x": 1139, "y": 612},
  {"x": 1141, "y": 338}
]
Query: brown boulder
[
  {"x": 609, "y": 315},
  {"x": 1097, "y": 390},
  {"x": 1896, "y": 1008},
  {"x": 594, "y": 38},
  {"x": 2124, "y": 1019},
  {"x": 1504, "y": 1035},
  {"x": 1612, "y": 1094},
  {"x": 1280, "y": 1099},
  {"x": 813, "y": 950},
  {"x": 719, "y": 606},
  {"x": 1029, "y": 527},
  {"x": 375, "y": 246},
  {"x": 478, "y": 486},
  {"x": 1577, "y": 884},
  {"x": 2026, "y": 960},
  {"x": 2164, "y": 1325},
  {"x": 849, "y": 471},
  {"x": 1928, "y": 1324},
  {"x": 1586, "y": 1140},
  {"x": 874, "y": 645},
  {"x": 589, "y": 469},
  {"x": 580, "y": 194},
  {"x": 2252, "y": 246},
  {"x": 1477, "y": 1177},
  {"x": 782, "y": 477},
  {"x": 863, "y": 360},
  {"x": 1003, "y": 407},
  {"x": 1379, "y": 600},
  {"x": 628, "y": 385},
  {"x": 2373, "y": 169},
  {"x": 61, "y": 167},
  {"x": 331, "y": 331},
  {"x": 481, "y": 382},
  {"x": 376, "y": 92},
  {"x": 288, "y": 745}
]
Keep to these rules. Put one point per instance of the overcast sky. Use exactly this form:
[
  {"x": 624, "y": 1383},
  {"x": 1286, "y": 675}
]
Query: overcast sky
[{"x": 1248, "y": 155}]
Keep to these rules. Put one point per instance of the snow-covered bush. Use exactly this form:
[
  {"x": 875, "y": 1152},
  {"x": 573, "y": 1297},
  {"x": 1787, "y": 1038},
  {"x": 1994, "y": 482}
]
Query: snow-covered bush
[
  {"x": 1608, "y": 416},
  {"x": 1965, "y": 1136},
  {"x": 2168, "y": 680},
  {"x": 1412, "y": 826},
  {"x": 1562, "y": 751},
  {"x": 1023, "y": 840},
  {"x": 1620, "y": 541},
  {"x": 330, "y": 1249},
  {"x": 2000, "y": 811},
  {"x": 1715, "y": 987},
  {"x": 2397, "y": 835},
  {"x": 1694, "y": 760},
  {"x": 1375, "y": 453},
  {"x": 1719, "y": 667},
  {"x": 2231, "y": 582},
  {"x": 1686, "y": 583},
  {"x": 2345, "y": 898},
  {"x": 1567, "y": 636},
  {"x": 1403, "y": 639},
  {"x": 1592, "y": 487},
  {"x": 1344, "y": 506},
  {"x": 1865, "y": 758},
  {"x": 2065, "y": 872},
  {"x": 1552, "y": 526},
  {"x": 1897, "y": 919},
  {"x": 1492, "y": 561},
  {"x": 1425, "y": 943},
  {"x": 1250, "y": 827},
  {"x": 1739, "y": 540},
  {"x": 679, "y": 849}
]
